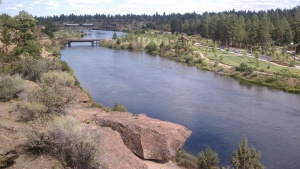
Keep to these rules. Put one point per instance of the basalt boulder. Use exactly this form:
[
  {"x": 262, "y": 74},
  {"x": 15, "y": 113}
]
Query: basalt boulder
[{"x": 148, "y": 138}]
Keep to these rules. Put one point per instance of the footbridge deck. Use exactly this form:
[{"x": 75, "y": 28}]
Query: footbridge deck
[{"x": 92, "y": 41}]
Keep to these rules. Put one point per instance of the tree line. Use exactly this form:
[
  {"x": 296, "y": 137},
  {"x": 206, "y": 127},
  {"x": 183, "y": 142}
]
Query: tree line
[{"x": 231, "y": 28}]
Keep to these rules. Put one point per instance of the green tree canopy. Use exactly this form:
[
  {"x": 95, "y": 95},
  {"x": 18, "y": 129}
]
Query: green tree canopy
[
  {"x": 245, "y": 157},
  {"x": 115, "y": 36},
  {"x": 151, "y": 47},
  {"x": 6, "y": 38},
  {"x": 208, "y": 159},
  {"x": 118, "y": 41},
  {"x": 25, "y": 26},
  {"x": 50, "y": 28}
]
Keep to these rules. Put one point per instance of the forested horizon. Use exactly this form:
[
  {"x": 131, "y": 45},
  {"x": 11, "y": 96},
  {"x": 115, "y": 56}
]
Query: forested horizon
[{"x": 230, "y": 28}]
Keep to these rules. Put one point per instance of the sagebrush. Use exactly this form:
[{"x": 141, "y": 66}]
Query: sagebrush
[
  {"x": 64, "y": 139},
  {"x": 10, "y": 87}
]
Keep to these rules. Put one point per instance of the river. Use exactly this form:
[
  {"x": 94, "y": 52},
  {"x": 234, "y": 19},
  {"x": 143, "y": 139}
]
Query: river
[{"x": 219, "y": 110}]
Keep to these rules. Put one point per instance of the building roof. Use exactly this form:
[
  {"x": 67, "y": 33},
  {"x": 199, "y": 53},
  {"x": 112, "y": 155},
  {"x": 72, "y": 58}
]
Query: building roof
[{"x": 171, "y": 41}]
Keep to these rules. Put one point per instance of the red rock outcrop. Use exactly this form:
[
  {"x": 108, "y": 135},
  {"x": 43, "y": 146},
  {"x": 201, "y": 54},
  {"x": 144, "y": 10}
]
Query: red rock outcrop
[
  {"x": 114, "y": 154},
  {"x": 128, "y": 140},
  {"x": 148, "y": 138}
]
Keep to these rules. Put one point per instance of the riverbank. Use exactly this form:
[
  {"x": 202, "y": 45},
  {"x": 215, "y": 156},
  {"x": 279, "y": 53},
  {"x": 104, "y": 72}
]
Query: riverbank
[{"x": 187, "y": 50}]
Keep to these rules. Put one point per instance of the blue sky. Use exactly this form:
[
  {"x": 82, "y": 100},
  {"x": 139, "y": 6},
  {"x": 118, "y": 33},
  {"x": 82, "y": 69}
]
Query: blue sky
[{"x": 57, "y": 7}]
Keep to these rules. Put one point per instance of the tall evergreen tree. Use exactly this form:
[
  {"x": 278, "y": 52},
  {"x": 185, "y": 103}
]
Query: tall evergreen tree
[
  {"x": 174, "y": 25},
  {"x": 295, "y": 23},
  {"x": 205, "y": 26},
  {"x": 288, "y": 34},
  {"x": 253, "y": 33},
  {"x": 240, "y": 33},
  {"x": 245, "y": 157},
  {"x": 265, "y": 29},
  {"x": 278, "y": 32},
  {"x": 214, "y": 30}
]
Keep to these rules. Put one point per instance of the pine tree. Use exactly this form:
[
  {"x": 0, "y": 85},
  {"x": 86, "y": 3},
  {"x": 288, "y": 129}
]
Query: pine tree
[
  {"x": 288, "y": 34},
  {"x": 265, "y": 30},
  {"x": 205, "y": 26},
  {"x": 295, "y": 24},
  {"x": 118, "y": 41},
  {"x": 25, "y": 24},
  {"x": 174, "y": 25},
  {"x": 253, "y": 33},
  {"x": 115, "y": 36},
  {"x": 208, "y": 159},
  {"x": 245, "y": 157},
  {"x": 214, "y": 28},
  {"x": 240, "y": 32}
]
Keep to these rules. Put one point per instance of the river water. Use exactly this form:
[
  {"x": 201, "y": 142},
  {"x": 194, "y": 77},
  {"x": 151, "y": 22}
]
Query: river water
[{"x": 219, "y": 110}]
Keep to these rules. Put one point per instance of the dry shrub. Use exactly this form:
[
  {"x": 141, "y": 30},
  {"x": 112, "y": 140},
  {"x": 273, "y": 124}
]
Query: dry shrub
[
  {"x": 33, "y": 109},
  {"x": 50, "y": 96},
  {"x": 37, "y": 133},
  {"x": 58, "y": 78},
  {"x": 54, "y": 92},
  {"x": 31, "y": 68},
  {"x": 10, "y": 87},
  {"x": 65, "y": 139},
  {"x": 119, "y": 107},
  {"x": 53, "y": 64},
  {"x": 186, "y": 160},
  {"x": 72, "y": 145}
]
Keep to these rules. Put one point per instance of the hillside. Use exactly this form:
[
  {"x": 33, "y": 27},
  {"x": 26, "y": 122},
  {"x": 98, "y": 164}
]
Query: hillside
[{"x": 48, "y": 121}]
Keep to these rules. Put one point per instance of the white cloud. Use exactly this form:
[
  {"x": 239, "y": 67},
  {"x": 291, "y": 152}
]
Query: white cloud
[
  {"x": 36, "y": 2},
  {"x": 20, "y": 5},
  {"x": 11, "y": 8},
  {"x": 57, "y": 7},
  {"x": 53, "y": 5}
]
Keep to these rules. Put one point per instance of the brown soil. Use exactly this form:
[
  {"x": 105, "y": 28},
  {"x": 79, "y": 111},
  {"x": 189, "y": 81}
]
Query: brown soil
[{"x": 11, "y": 125}]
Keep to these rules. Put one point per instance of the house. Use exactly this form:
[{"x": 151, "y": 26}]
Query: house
[{"x": 171, "y": 41}]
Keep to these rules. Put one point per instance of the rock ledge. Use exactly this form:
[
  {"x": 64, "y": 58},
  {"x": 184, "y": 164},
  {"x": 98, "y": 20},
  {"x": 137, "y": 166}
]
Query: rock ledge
[{"x": 148, "y": 138}]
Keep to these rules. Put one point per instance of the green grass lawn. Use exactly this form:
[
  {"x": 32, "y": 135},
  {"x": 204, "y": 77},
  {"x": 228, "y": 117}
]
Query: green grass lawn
[{"x": 236, "y": 60}]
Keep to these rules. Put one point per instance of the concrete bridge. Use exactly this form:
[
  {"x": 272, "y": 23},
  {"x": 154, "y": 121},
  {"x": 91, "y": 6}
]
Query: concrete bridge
[{"x": 92, "y": 41}]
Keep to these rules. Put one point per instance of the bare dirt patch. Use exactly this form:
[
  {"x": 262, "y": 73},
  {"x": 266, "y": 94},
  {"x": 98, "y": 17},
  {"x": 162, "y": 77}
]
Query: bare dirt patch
[{"x": 11, "y": 126}]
